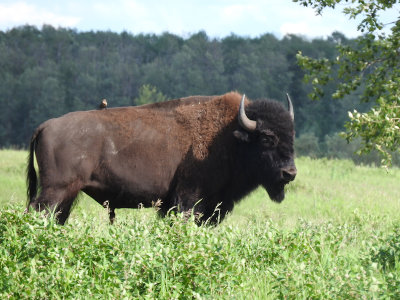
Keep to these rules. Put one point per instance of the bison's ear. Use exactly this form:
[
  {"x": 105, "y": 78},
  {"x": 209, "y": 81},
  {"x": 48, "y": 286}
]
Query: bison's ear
[{"x": 241, "y": 135}]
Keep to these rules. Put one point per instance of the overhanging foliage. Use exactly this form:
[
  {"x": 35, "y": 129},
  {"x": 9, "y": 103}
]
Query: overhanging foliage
[{"x": 372, "y": 64}]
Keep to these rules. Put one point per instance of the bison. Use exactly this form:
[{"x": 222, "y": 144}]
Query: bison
[{"x": 194, "y": 154}]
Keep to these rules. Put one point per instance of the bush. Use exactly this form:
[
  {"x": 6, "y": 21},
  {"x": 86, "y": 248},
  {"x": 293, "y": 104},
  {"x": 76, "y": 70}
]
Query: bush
[
  {"x": 387, "y": 253},
  {"x": 336, "y": 147},
  {"x": 159, "y": 258},
  {"x": 171, "y": 258},
  {"x": 307, "y": 145}
]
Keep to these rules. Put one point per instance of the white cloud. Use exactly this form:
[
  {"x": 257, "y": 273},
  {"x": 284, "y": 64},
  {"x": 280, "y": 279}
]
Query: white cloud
[
  {"x": 21, "y": 13},
  {"x": 135, "y": 16},
  {"x": 234, "y": 12},
  {"x": 217, "y": 18},
  {"x": 135, "y": 9},
  {"x": 252, "y": 12},
  {"x": 304, "y": 21}
]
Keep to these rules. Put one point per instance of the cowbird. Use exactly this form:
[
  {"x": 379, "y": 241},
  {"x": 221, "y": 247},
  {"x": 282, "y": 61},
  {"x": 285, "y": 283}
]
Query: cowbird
[{"x": 103, "y": 104}]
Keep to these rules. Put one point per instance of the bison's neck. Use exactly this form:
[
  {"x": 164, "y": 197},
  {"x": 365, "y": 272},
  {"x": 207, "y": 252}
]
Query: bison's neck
[{"x": 209, "y": 122}]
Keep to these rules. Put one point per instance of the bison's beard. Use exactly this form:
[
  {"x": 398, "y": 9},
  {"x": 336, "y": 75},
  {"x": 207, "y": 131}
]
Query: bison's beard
[{"x": 276, "y": 191}]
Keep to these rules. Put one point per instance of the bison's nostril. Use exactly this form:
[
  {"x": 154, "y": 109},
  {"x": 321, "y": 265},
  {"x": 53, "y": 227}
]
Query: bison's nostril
[{"x": 289, "y": 174}]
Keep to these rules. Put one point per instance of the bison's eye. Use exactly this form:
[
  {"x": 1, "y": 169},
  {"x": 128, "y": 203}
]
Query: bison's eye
[{"x": 269, "y": 140}]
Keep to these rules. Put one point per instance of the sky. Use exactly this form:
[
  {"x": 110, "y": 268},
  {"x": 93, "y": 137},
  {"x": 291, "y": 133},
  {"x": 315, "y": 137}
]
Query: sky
[{"x": 218, "y": 18}]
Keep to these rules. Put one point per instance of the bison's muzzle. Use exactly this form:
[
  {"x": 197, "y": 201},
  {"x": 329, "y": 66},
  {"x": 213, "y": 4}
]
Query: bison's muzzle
[
  {"x": 288, "y": 174},
  {"x": 276, "y": 191}
]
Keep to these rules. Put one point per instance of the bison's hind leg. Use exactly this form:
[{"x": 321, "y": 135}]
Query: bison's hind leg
[{"x": 58, "y": 200}]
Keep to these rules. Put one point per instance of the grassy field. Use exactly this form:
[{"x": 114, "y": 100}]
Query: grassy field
[{"x": 336, "y": 235}]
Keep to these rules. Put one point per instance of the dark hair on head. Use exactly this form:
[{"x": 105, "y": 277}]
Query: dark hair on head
[{"x": 273, "y": 114}]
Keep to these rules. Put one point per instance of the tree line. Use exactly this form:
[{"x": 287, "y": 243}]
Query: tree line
[{"x": 46, "y": 72}]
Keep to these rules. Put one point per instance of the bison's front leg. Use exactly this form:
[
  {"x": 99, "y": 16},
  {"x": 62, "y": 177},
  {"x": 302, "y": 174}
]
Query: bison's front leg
[
  {"x": 192, "y": 204},
  {"x": 111, "y": 211},
  {"x": 111, "y": 215}
]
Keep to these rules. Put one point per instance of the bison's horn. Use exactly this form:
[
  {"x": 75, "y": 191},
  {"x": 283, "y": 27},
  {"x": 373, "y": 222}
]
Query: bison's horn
[
  {"x": 290, "y": 106},
  {"x": 244, "y": 121}
]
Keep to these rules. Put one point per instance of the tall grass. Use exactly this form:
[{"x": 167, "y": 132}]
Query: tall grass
[{"x": 336, "y": 235}]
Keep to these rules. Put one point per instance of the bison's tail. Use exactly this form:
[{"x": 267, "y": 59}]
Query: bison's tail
[{"x": 31, "y": 177}]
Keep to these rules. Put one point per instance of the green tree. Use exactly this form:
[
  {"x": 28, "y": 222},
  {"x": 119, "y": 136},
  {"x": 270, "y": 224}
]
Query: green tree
[
  {"x": 149, "y": 94},
  {"x": 370, "y": 63},
  {"x": 307, "y": 145},
  {"x": 47, "y": 72}
]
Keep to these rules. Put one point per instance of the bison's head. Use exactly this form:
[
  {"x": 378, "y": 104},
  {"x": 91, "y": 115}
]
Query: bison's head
[{"x": 267, "y": 128}]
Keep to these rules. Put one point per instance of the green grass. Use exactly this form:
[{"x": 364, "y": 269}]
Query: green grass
[
  {"x": 336, "y": 235},
  {"x": 12, "y": 176},
  {"x": 329, "y": 190}
]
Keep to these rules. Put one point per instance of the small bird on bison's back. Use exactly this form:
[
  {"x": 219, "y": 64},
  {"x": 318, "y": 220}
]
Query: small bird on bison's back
[{"x": 103, "y": 104}]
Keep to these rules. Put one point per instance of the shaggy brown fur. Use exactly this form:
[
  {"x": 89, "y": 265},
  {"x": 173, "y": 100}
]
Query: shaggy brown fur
[{"x": 180, "y": 151}]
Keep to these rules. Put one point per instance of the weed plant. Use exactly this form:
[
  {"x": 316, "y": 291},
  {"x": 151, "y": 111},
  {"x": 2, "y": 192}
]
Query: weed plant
[{"x": 336, "y": 236}]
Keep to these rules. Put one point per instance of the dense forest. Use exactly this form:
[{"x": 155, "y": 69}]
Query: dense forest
[{"x": 46, "y": 72}]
